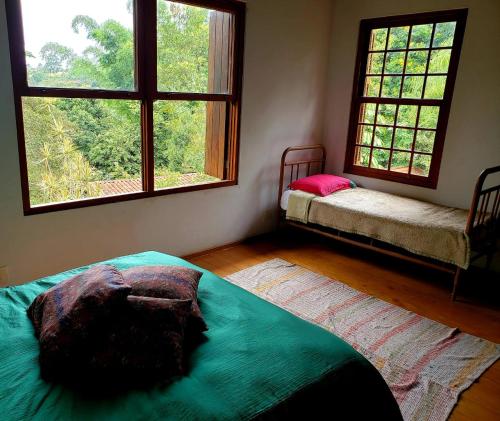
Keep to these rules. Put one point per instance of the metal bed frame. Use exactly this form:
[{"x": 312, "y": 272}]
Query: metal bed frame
[{"x": 482, "y": 227}]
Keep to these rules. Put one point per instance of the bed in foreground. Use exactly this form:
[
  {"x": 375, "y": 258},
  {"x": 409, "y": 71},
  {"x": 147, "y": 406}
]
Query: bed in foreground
[{"x": 258, "y": 361}]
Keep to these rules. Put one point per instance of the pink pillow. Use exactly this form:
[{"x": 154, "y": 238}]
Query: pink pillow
[{"x": 321, "y": 184}]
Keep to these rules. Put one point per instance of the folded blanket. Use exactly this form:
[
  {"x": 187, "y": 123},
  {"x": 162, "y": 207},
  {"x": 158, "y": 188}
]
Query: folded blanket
[
  {"x": 299, "y": 203},
  {"x": 420, "y": 227}
]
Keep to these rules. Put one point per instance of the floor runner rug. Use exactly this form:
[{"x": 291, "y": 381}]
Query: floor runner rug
[{"x": 425, "y": 363}]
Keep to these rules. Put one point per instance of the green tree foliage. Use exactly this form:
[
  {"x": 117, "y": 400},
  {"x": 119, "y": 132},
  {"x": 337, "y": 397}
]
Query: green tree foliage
[
  {"x": 57, "y": 170},
  {"x": 56, "y": 59},
  {"x": 182, "y": 48},
  {"x": 109, "y": 62},
  {"x": 180, "y": 135},
  {"x": 101, "y": 139},
  {"x": 108, "y": 134}
]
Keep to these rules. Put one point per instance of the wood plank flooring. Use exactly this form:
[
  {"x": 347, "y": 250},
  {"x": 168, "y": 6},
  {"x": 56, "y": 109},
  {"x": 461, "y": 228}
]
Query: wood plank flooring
[{"x": 423, "y": 291}]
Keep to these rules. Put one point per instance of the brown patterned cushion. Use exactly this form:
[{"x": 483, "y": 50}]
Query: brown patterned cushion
[
  {"x": 66, "y": 315},
  {"x": 174, "y": 282},
  {"x": 143, "y": 344}
]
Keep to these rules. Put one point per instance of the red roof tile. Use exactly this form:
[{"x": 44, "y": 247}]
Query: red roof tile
[{"x": 114, "y": 187}]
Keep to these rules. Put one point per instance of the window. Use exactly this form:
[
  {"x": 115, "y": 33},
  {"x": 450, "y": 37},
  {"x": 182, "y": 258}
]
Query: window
[
  {"x": 122, "y": 99},
  {"x": 405, "y": 74}
]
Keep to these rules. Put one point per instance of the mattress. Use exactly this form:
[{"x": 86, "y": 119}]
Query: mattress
[
  {"x": 420, "y": 227},
  {"x": 256, "y": 362}
]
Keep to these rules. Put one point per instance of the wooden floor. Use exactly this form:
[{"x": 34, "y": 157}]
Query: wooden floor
[{"x": 423, "y": 291}]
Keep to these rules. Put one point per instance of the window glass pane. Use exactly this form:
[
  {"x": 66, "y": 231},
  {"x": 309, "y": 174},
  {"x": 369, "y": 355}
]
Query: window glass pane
[
  {"x": 79, "y": 44},
  {"x": 386, "y": 114},
  {"x": 383, "y": 137},
  {"x": 188, "y": 142},
  {"x": 391, "y": 86},
  {"x": 378, "y": 39},
  {"x": 367, "y": 113},
  {"x": 362, "y": 156},
  {"x": 440, "y": 61},
  {"x": 372, "y": 86},
  {"x": 416, "y": 62},
  {"x": 81, "y": 148},
  {"x": 421, "y": 165},
  {"x": 375, "y": 63},
  {"x": 394, "y": 62},
  {"x": 398, "y": 37},
  {"x": 412, "y": 87},
  {"x": 444, "y": 34},
  {"x": 403, "y": 139},
  {"x": 425, "y": 141},
  {"x": 434, "y": 88},
  {"x": 421, "y": 36},
  {"x": 194, "y": 49},
  {"x": 407, "y": 115},
  {"x": 401, "y": 162},
  {"x": 380, "y": 159},
  {"x": 365, "y": 135},
  {"x": 428, "y": 118}
]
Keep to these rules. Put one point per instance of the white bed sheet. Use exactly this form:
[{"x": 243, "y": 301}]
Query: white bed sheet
[{"x": 284, "y": 199}]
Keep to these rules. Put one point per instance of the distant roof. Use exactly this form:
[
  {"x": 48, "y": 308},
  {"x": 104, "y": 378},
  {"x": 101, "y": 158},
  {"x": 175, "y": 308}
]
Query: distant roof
[
  {"x": 406, "y": 170},
  {"x": 114, "y": 187}
]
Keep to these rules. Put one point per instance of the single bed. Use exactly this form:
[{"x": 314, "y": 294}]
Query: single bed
[
  {"x": 438, "y": 236},
  {"x": 257, "y": 362}
]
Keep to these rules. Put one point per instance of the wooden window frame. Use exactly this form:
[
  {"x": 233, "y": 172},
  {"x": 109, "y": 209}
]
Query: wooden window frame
[
  {"x": 366, "y": 26},
  {"x": 146, "y": 92}
]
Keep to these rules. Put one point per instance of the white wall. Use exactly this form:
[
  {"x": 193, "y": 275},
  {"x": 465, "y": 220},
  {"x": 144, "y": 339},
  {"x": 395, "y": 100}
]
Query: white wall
[
  {"x": 473, "y": 136},
  {"x": 285, "y": 75}
]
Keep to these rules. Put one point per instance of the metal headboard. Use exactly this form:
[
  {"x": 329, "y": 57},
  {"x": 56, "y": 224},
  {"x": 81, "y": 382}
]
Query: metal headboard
[{"x": 291, "y": 170}]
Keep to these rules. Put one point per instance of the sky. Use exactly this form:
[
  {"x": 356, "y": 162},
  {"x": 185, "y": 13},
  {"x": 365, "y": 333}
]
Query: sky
[{"x": 50, "y": 20}]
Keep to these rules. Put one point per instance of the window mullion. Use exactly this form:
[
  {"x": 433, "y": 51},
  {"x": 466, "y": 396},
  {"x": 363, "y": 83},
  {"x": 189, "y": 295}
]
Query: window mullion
[
  {"x": 146, "y": 65},
  {"x": 16, "y": 38},
  {"x": 400, "y": 101},
  {"x": 383, "y": 64},
  {"x": 192, "y": 96},
  {"x": 396, "y": 113},
  {"x": 428, "y": 61},
  {"x": 78, "y": 93},
  {"x": 414, "y": 141},
  {"x": 412, "y": 156}
]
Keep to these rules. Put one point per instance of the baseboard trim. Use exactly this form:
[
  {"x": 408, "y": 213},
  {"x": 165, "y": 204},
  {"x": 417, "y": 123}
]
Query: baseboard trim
[{"x": 226, "y": 246}]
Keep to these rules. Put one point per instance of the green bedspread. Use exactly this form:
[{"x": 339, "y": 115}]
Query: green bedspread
[{"x": 258, "y": 361}]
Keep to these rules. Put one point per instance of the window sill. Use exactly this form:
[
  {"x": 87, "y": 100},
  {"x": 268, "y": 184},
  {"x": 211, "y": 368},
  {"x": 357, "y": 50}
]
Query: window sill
[
  {"x": 414, "y": 180},
  {"x": 76, "y": 204}
]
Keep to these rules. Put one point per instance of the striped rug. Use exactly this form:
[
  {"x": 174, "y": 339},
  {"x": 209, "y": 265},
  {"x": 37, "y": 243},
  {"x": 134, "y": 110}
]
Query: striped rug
[{"x": 426, "y": 364}]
